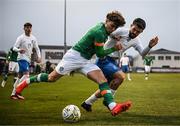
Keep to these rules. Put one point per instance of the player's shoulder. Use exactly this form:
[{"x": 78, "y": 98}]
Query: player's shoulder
[
  {"x": 121, "y": 31},
  {"x": 21, "y": 36},
  {"x": 136, "y": 40},
  {"x": 33, "y": 37},
  {"x": 98, "y": 28},
  {"x": 99, "y": 31}
]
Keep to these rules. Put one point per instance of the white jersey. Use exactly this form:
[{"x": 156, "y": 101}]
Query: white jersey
[
  {"x": 126, "y": 42},
  {"x": 124, "y": 61},
  {"x": 27, "y": 43}
]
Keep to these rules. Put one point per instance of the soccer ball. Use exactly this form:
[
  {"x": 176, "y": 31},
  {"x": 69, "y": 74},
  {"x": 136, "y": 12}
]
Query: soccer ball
[{"x": 71, "y": 113}]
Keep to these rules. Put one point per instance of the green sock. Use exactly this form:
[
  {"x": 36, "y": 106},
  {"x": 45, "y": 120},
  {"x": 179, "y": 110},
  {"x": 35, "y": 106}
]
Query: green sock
[
  {"x": 42, "y": 77},
  {"x": 106, "y": 93}
]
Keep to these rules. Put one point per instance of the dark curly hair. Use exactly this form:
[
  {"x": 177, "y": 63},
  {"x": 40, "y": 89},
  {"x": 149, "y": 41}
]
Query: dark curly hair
[{"x": 117, "y": 18}]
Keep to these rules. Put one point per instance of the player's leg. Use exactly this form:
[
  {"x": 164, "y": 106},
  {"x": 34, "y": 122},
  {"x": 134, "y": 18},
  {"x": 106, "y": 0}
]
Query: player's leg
[
  {"x": 16, "y": 70},
  {"x": 146, "y": 72},
  {"x": 23, "y": 73},
  {"x": 115, "y": 108},
  {"x": 42, "y": 77},
  {"x": 95, "y": 74},
  {"x": 69, "y": 63},
  {"x": 13, "y": 93},
  {"x": 21, "y": 77},
  {"x": 5, "y": 73},
  {"x": 5, "y": 77},
  {"x": 114, "y": 76},
  {"x": 13, "y": 70},
  {"x": 117, "y": 80},
  {"x": 128, "y": 73}
]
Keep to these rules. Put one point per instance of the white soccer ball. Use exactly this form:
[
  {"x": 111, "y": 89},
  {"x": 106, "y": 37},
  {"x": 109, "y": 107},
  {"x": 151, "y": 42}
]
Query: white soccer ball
[{"x": 71, "y": 113}]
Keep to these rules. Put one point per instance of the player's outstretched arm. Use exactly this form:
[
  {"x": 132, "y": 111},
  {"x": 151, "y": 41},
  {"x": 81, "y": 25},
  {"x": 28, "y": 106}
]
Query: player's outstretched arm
[
  {"x": 153, "y": 42},
  {"x": 101, "y": 52}
]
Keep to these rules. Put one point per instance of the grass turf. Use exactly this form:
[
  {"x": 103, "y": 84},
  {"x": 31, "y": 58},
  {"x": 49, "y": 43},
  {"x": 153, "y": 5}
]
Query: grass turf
[{"x": 155, "y": 102}]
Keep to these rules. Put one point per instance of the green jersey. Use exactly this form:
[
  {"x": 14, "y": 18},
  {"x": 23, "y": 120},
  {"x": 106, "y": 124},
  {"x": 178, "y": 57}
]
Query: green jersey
[
  {"x": 12, "y": 55},
  {"x": 148, "y": 60},
  {"x": 92, "y": 42}
]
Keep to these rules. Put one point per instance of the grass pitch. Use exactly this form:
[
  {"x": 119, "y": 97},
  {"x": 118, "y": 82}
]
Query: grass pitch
[{"x": 155, "y": 102}]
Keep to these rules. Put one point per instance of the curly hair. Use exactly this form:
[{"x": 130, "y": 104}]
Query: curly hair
[{"x": 116, "y": 17}]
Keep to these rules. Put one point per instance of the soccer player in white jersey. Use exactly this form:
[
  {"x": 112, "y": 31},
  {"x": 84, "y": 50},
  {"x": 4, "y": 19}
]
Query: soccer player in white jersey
[
  {"x": 24, "y": 46},
  {"x": 125, "y": 65},
  {"x": 128, "y": 38}
]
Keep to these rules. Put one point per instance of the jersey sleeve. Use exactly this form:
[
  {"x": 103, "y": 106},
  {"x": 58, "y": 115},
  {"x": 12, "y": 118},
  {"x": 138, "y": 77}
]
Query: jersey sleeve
[
  {"x": 118, "y": 33},
  {"x": 99, "y": 47},
  {"x": 17, "y": 44},
  {"x": 36, "y": 47},
  {"x": 138, "y": 46}
]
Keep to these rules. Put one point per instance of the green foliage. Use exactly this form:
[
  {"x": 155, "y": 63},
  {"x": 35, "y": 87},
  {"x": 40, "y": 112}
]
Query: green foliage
[{"x": 155, "y": 102}]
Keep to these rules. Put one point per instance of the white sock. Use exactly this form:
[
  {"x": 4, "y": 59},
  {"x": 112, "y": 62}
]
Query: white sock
[
  {"x": 91, "y": 99},
  {"x": 128, "y": 74},
  {"x": 17, "y": 82},
  {"x": 14, "y": 86},
  {"x": 112, "y": 105},
  {"x": 28, "y": 80}
]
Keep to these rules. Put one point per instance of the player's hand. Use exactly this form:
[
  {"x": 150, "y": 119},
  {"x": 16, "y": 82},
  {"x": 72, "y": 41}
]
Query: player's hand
[
  {"x": 22, "y": 51},
  {"x": 118, "y": 46},
  {"x": 38, "y": 60},
  {"x": 153, "y": 41}
]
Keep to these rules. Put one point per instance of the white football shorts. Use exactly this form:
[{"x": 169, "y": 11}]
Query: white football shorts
[{"x": 73, "y": 61}]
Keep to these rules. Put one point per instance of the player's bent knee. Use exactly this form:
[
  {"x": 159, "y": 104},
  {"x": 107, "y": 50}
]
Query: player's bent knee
[
  {"x": 122, "y": 76},
  {"x": 53, "y": 76}
]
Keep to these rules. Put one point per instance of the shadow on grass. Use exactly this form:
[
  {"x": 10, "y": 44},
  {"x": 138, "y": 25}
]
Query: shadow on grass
[
  {"x": 93, "y": 119},
  {"x": 133, "y": 119}
]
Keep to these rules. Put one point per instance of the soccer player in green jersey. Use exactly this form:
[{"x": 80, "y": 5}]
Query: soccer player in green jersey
[
  {"x": 78, "y": 59},
  {"x": 147, "y": 66},
  {"x": 13, "y": 67}
]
